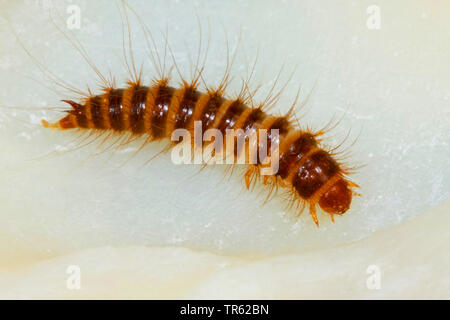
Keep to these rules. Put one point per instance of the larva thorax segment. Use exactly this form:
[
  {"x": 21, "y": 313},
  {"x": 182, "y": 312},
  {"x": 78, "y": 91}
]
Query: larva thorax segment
[{"x": 311, "y": 173}]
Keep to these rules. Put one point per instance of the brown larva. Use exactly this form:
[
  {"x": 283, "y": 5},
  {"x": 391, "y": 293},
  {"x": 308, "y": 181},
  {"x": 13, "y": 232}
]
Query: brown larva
[{"x": 311, "y": 174}]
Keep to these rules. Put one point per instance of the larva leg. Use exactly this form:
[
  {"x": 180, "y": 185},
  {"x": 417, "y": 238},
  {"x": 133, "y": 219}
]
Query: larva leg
[
  {"x": 312, "y": 211},
  {"x": 248, "y": 176}
]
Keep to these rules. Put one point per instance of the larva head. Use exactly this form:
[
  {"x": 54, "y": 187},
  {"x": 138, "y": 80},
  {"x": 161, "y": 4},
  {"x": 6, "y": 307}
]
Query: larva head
[{"x": 337, "y": 199}]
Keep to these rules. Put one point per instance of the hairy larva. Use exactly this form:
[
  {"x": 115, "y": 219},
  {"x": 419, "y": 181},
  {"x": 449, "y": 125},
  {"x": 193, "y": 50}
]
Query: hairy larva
[
  {"x": 308, "y": 170},
  {"x": 310, "y": 173}
]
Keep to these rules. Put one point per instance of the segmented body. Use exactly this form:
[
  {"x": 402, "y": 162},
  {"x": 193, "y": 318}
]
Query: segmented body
[{"x": 311, "y": 173}]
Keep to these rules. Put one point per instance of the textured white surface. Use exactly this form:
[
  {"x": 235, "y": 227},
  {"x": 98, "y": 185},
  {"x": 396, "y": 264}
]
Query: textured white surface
[
  {"x": 412, "y": 263},
  {"x": 395, "y": 82}
]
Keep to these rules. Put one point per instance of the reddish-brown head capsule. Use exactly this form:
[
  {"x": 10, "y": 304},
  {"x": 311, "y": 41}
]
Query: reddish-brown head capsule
[{"x": 337, "y": 199}]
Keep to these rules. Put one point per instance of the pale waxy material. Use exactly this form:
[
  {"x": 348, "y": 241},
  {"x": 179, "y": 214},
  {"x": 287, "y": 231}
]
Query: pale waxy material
[
  {"x": 165, "y": 231},
  {"x": 404, "y": 262}
]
